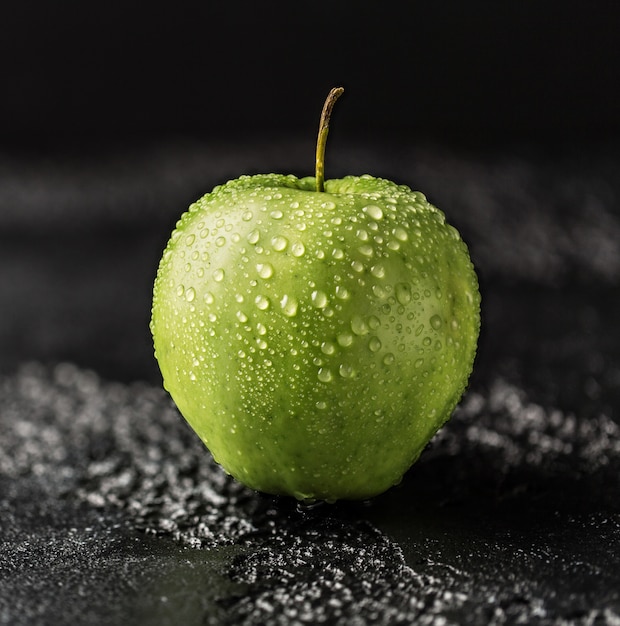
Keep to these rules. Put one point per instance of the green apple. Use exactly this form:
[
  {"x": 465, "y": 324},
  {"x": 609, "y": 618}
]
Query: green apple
[{"x": 315, "y": 334}]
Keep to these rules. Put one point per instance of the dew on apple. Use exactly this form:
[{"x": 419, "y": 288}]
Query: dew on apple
[
  {"x": 319, "y": 299},
  {"x": 359, "y": 326},
  {"x": 373, "y": 211},
  {"x": 190, "y": 294},
  {"x": 298, "y": 249},
  {"x": 374, "y": 322},
  {"x": 218, "y": 275},
  {"x": 345, "y": 339},
  {"x": 325, "y": 375},
  {"x": 265, "y": 270},
  {"x": 345, "y": 370},
  {"x": 436, "y": 322},
  {"x": 327, "y": 347},
  {"x": 389, "y": 359},
  {"x": 253, "y": 236},
  {"x": 402, "y": 292},
  {"x": 374, "y": 344},
  {"x": 289, "y": 305},
  {"x": 279, "y": 243},
  {"x": 378, "y": 270},
  {"x": 262, "y": 302}
]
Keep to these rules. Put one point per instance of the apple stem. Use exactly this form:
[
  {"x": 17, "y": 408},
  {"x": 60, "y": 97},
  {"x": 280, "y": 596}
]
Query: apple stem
[{"x": 321, "y": 141}]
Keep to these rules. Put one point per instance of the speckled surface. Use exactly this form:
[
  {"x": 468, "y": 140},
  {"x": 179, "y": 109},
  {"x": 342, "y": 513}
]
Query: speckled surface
[{"x": 112, "y": 512}]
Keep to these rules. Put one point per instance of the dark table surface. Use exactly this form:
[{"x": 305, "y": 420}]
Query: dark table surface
[{"x": 112, "y": 512}]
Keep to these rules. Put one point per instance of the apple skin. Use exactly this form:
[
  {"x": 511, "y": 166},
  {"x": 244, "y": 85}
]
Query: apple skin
[{"x": 315, "y": 341}]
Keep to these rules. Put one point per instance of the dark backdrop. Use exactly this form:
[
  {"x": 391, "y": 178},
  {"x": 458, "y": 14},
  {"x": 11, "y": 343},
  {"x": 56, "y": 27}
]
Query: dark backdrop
[
  {"x": 115, "y": 116},
  {"x": 475, "y": 72}
]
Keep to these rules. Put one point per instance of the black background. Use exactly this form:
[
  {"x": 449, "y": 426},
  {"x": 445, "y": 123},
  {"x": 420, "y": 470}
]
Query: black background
[{"x": 472, "y": 72}]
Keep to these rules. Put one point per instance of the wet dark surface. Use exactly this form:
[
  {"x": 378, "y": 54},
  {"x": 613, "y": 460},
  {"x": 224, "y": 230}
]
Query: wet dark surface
[{"x": 112, "y": 512}]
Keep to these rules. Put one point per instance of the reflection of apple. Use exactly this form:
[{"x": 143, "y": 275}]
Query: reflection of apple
[{"x": 315, "y": 340}]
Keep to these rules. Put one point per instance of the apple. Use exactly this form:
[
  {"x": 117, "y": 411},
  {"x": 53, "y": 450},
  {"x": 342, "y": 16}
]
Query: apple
[{"x": 315, "y": 333}]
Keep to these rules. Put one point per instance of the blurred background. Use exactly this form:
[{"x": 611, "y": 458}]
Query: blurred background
[{"x": 114, "y": 117}]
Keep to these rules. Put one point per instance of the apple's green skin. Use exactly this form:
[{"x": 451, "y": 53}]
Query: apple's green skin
[{"x": 315, "y": 341}]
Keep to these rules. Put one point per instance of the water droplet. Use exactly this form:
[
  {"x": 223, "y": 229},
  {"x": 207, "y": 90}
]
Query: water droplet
[
  {"x": 189, "y": 240},
  {"x": 419, "y": 330},
  {"x": 436, "y": 322},
  {"x": 374, "y": 322},
  {"x": 345, "y": 339},
  {"x": 454, "y": 323},
  {"x": 190, "y": 294},
  {"x": 373, "y": 211},
  {"x": 362, "y": 234},
  {"x": 294, "y": 205},
  {"x": 319, "y": 299},
  {"x": 277, "y": 214},
  {"x": 345, "y": 370},
  {"x": 261, "y": 329},
  {"x": 192, "y": 376},
  {"x": 357, "y": 266},
  {"x": 325, "y": 375},
  {"x": 367, "y": 250},
  {"x": 209, "y": 298},
  {"x": 247, "y": 216},
  {"x": 254, "y": 236},
  {"x": 298, "y": 249},
  {"x": 279, "y": 243},
  {"x": 403, "y": 293},
  {"x": 389, "y": 359},
  {"x": 419, "y": 362},
  {"x": 380, "y": 291},
  {"x": 378, "y": 271},
  {"x": 265, "y": 270},
  {"x": 242, "y": 317},
  {"x": 329, "y": 205},
  {"x": 400, "y": 233},
  {"x": 374, "y": 344},
  {"x": 321, "y": 405},
  {"x": 180, "y": 290},
  {"x": 359, "y": 326},
  {"x": 188, "y": 267},
  {"x": 218, "y": 275},
  {"x": 337, "y": 253},
  {"x": 327, "y": 347},
  {"x": 342, "y": 292},
  {"x": 289, "y": 305},
  {"x": 261, "y": 302},
  {"x": 426, "y": 341}
]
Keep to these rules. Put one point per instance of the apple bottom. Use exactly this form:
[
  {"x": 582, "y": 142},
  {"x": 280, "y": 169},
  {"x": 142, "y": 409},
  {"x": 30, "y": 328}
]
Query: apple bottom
[{"x": 327, "y": 454}]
